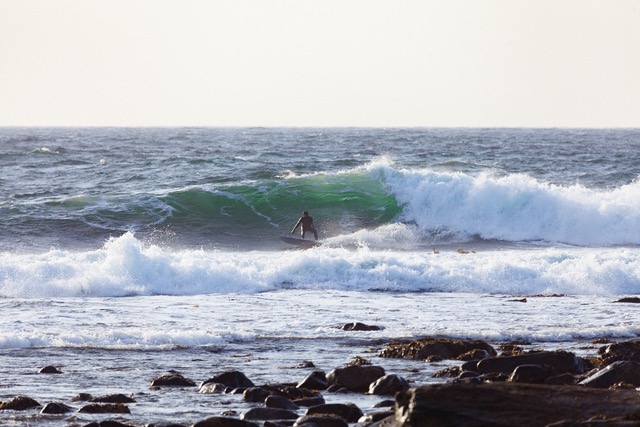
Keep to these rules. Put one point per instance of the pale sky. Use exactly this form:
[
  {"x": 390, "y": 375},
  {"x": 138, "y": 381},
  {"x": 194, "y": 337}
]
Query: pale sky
[{"x": 538, "y": 63}]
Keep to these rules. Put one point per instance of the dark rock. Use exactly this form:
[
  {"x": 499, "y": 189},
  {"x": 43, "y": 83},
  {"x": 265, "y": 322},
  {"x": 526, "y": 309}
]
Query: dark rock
[
  {"x": 269, "y": 414},
  {"x": 534, "y": 374},
  {"x": 280, "y": 402},
  {"x": 508, "y": 404},
  {"x": 113, "y": 398},
  {"x": 217, "y": 388},
  {"x": 19, "y": 403},
  {"x": 423, "y": 348},
  {"x": 634, "y": 300},
  {"x": 388, "y": 385},
  {"x": 49, "y": 370},
  {"x": 255, "y": 394},
  {"x": 350, "y": 412},
  {"x": 562, "y": 379},
  {"x": 105, "y": 408},
  {"x": 621, "y": 371},
  {"x": 627, "y": 350},
  {"x": 231, "y": 378},
  {"x": 55, "y": 408},
  {"x": 450, "y": 372},
  {"x": 468, "y": 374},
  {"x": 376, "y": 416},
  {"x": 385, "y": 404},
  {"x": 316, "y": 380},
  {"x": 355, "y": 378},
  {"x": 559, "y": 361},
  {"x": 306, "y": 364},
  {"x": 224, "y": 422},
  {"x": 471, "y": 365},
  {"x": 357, "y": 326},
  {"x": 108, "y": 423},
  {"x": 172, "y": 380},
  {"x": 82, "y": 397},
  {"x": 320, "y": 421},
  {"x": 476, "y": 354}
]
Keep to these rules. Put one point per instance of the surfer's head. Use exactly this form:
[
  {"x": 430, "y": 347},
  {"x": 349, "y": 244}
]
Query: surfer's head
[{"x": 305, "y": 213}]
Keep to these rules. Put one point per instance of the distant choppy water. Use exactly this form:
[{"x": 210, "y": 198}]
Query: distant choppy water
[{"x": 128, "y": 252}]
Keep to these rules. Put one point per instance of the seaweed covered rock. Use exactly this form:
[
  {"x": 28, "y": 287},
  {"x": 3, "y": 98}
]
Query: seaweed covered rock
[
  {"x": 355, "y": 377},
  {"x": 428, "y": 347}
]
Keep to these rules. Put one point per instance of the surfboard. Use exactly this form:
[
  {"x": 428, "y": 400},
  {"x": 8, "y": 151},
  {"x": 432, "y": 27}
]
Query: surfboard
[{"x": 299, "y": 242}]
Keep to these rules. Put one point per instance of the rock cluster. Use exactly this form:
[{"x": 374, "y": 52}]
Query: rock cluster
[{"x": 482, "y": 388}]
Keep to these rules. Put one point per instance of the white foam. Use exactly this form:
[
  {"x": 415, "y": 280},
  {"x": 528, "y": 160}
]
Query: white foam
[
  {"x": 126, "y": 266},
  {"x": 514, "y": 207}
]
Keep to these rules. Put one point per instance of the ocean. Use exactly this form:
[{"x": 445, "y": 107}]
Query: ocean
[{"x": 129, "y": 252}]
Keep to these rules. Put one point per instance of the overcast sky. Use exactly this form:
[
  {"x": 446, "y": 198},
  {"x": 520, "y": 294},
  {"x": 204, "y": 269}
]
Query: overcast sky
[{"x": 539, "y": 63}]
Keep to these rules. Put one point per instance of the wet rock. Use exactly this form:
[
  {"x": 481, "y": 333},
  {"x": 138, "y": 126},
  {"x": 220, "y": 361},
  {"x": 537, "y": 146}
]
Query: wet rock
[
  {"x": 214, "y": 388},
  {"x": 626, "y": 350},
  {"x": 355, "y": 378},
  {"x": 113, "y": 398},
  {"x": 508, "y": 404},
  {"x": 231, "y": 378},
  {"x": 280, "y": 402},
  {"x": 357, "y": 326},
  {"x": 559, "y": 361},
  {"x": 49, "y": 370},
  {"x": 388, "y": 385},
  {"x": 476, "y": 354},
  {"x": 82, "y": 397},
  {"x": 108, "y": 423},
  {"x": 634, "y": 300},
  {"x": 268, "y": 414},
  {"x": 423, "y": 348},
  {"x": 375, "y": 416},
  {"x": 255, "y": 394},
  {"x": 224, "y": 422},
  {"x": 172, "y": 379},
  {"x": 320, "y": 421},
  {"x": 535, "y": 374},
  {"x": 349, "y": 411},
  {"x": 317, "y": 380},
  {"x": 562, "y": 379},
  {"x": 55, "y": 408},
  {"x": 105, "y": 408},
  {"x": 19, "y": 403},
  {"x": 621, "y": 371}
]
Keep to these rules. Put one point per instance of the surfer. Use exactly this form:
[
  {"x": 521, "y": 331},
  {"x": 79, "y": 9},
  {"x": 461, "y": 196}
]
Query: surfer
[{"x": 307, "y": 225}]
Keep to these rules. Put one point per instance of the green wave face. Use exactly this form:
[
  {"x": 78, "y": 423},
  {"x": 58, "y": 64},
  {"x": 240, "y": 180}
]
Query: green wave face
[{"x": 339, "y": 203}]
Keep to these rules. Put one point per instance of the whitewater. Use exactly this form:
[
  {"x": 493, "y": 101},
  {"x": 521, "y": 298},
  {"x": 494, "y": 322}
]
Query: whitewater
[{"x": 136, "y": 251}]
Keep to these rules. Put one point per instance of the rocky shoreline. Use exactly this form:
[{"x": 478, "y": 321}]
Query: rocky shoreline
[{"x": 485, "y": 385}]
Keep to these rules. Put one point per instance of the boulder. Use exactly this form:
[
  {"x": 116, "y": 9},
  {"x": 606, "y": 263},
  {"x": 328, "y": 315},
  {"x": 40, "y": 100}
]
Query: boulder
[
  {"x": 426, "y": 347},
  {"x": 19, "y": 403},
  {"x": 622, "y": 371},
  {"x": 268, "y": 414},
  {"x": 357, "y": 326},
  {"x": 316, "y": 380},
  {"x": 536, "y": 374},
  {"x": 215, "y": 388},
  {"x": 626, "y": 350},
  {"x": 256, "y": 394},
  {"x": 508, "y": 404},
  {"x": 105, "y": 408},
  {"x": 320, "y": 421},
  {"x": 355, "y": 378},
  {"x": 49, "y": 370},
  {"x": 55, "y": 408},
  {"x": 224, "y": 422},
  {"x": 349, "y": 411},
  {"x": 231, "y": 378},
  {"x": 280, "y": 402},
  {"x": 113, "y": 398},
  {"x": 388, "y": 385},
  {"x": 172, "y": 379},
  {"x": 559, "y": 362}
]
